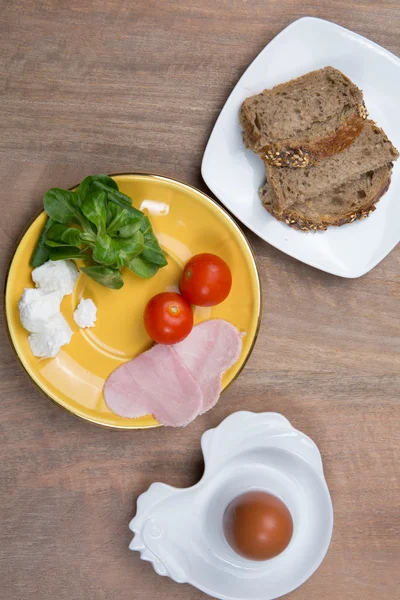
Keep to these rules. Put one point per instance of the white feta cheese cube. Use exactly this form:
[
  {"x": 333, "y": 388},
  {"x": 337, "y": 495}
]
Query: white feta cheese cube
[
  {"x": 36, "y": 307},
  {"x": 85, "y": 313},
  {"x": 54, "y": 275},
  {"x": 47, "y": 342}
]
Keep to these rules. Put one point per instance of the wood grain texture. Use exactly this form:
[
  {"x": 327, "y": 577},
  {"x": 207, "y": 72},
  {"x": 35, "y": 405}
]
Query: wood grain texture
[{"x": 115, "y": 85}]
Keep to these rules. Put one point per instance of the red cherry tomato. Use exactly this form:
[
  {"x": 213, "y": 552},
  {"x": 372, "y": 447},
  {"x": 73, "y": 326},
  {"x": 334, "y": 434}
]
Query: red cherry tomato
[
  {"x": 168, "y": 318},
  {"x": 206, "y": 280}
]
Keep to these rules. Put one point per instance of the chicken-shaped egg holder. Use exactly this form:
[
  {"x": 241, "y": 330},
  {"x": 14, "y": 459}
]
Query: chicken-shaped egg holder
[{"x": 180, "y": 531}]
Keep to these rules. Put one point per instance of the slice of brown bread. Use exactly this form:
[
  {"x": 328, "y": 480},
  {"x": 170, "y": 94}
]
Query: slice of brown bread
[
  {"x": 354, "y": 199},
  {"x": 297, "y": 123},
  {"x": 371, "y": 150}
]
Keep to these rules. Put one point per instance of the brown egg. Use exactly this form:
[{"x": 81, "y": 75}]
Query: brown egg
[{"x": 258, "y": 525}]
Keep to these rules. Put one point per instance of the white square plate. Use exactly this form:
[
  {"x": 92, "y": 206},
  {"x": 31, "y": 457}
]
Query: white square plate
[{"x": 234, "y": 174}]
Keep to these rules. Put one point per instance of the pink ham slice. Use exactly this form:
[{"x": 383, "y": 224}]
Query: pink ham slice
[
  {"x": 176, "y": 383},
  {"x": 210, "y": 350},
  {"x": 155, "y": 382}
]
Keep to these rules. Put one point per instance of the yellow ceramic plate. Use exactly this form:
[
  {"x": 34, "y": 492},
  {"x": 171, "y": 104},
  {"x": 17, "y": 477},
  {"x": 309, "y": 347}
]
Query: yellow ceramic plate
[{"x": 188, "y": 222}]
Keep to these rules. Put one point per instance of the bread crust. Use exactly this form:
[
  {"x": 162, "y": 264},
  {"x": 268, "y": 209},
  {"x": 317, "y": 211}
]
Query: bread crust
[
  {"x": 274, "y": 174},
  {"x": 297, "y": 154},
  {"x": 306, "y": 225},
  {"x": 300, "y": 152}
]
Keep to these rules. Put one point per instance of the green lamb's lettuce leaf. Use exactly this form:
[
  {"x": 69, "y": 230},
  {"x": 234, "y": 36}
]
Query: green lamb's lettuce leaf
[
  {"x": 61, "y": 206},
  {"x": 118, "y": 198},
  {"x": 104, "y": 251},
  {"x": 121, "y": 222},
  {"x": 151, "y": 252},
  {"x": 142, "y": 268},
  {"x": 86, "y": 187},
  {"x": 128, "y": 248},
  {"x": 106, "y": 276},
  {"x": 130, "y": 229},
  {"x": 62, "y": 235},
  {"x": 66, "y": 252},
  {"x": 41, "y": 252},
  {"x": 94, "y": 207},
  {"x": 117, "y": 252}
]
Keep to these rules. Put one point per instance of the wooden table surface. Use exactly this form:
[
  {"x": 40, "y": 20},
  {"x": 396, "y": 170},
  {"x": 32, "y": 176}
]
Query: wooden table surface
[{"x": 115, "y": 85}]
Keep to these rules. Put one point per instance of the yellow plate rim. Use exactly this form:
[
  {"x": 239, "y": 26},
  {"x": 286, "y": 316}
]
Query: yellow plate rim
[{"x": 208, "y": 199}]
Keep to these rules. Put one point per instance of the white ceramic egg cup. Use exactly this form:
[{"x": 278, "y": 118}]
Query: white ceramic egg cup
[{"x": 180, "y": 530}]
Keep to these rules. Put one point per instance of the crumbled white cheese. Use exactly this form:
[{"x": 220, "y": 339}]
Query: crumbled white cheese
[
  {"x": 39, "y": 307},
  {"x": 154, "y": 207},
  {"x": 47, "y": 342},
  {"x": 85, "y": 313},
  {"x": 56, "y": 275},
  {"x": 36, "y": 307}
]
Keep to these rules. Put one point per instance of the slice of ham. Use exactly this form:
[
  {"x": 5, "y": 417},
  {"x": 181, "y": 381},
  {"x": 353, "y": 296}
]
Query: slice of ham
[
  {"x": 210, "y": 350},
  {"x": 155, "y": 382},
  {"x": 176, "y": 383}
]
